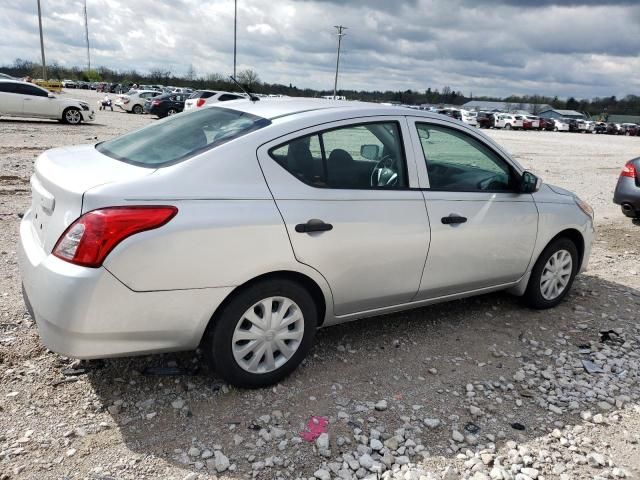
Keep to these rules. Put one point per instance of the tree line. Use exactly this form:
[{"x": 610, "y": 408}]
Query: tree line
[{"x": 628, "y": 105}]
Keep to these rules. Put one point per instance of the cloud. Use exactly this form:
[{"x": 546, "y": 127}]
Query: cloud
[{"x": 491, "y": 47}]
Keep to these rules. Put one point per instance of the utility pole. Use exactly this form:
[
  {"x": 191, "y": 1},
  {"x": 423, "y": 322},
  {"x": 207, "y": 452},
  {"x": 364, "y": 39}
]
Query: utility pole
[
  {"x": 44, "y": 65},
  {"x": 340, "y": 29},
  {"x": 86, "y": 34},
  {"x": 235, "y": 34}
]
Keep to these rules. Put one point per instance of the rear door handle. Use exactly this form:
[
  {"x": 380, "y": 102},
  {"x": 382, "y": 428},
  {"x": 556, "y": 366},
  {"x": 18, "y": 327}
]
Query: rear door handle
[
  {"x": 313, "y": 225},
  {"x": 453, "y": 219}
]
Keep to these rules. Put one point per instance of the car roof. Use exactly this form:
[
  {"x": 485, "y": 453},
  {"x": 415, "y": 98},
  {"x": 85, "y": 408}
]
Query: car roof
[{"x": 272, "y": 108}]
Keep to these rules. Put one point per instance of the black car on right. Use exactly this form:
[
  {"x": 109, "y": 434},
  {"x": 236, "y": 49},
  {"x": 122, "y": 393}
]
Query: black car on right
[
  {"x": 166, "y": 105},
  {"x": 627, "y": 193}
]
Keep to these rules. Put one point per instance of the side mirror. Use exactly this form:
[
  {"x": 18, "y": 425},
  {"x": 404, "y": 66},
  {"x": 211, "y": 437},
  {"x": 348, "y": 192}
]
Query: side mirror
[
  {"x": 370, "y": 152},
  {"x": 529, "y": 183},
  {"x": 51, "y": 95}
]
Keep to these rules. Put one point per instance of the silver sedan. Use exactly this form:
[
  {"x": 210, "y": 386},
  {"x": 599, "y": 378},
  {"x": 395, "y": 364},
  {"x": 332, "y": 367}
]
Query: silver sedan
[{"x": 243, "y": 228}]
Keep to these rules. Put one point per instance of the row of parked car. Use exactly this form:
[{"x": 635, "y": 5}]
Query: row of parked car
[
  {"x": 512, "y": 121},
  {"x": 164, "y": 104}
]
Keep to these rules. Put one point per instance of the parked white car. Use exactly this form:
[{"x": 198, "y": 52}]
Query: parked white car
[
  {"x": 133, "y": 101},
  {"x": 201, "y": 98},
  {"x": 470, "y": 118},
  {"x": 241, "y": 228},
  {"x": 23, "y": 99},
  {"x": 560, "y": 125},
  {"x": 508, "y": 121}
]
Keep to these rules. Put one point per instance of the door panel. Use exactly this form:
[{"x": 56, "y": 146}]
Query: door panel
[
  {"x": 467, "y": 177},
  {"x": 10, "y": 103},
  {"x": 374, "y": 254},
  {"x": 493, "y": 247},
  {"x": 40, "y": 106}
]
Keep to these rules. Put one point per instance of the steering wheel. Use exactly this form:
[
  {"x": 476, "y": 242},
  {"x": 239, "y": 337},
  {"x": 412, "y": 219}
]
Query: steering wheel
[
  {"x": 492, "y": 182},
  {"x": 384, "y": 173}
]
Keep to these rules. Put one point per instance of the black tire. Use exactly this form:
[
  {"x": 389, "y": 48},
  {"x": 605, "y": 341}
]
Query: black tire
[
  {"x": 507, "y": 126},
  {"x": 137, "y": 109},
  {"x": 72, "y": 116},
  {"x": 171, "y": 111},
  {"x": 218, "y": 340},
  {"x": 533, "y": 295}
]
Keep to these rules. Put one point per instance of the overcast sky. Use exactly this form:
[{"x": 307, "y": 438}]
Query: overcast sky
[{"x": 486, "y": 47}]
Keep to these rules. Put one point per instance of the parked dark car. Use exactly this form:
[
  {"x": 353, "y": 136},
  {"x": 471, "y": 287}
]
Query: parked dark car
[
  {"x": 600, "y": 127},
  {"x": 573, "y": 124},
  {"x": 451, "y": 112},
  {"x": 547, "y": 124},
  {"x": 166, "y": 104},
  {"x": 630, "y": 129},
  {"x": 614, "y": 129},
  {"x": 485, "y": 120},
  {"x": 627, "y": 193}
]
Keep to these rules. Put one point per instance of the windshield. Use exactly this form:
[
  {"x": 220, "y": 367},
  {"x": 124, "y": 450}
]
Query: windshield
[{"x": 181, "y": 136}]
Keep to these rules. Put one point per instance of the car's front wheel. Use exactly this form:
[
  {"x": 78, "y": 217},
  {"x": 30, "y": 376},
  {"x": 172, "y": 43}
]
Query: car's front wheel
[
  {"x": 552, "y": 275},
  {"x": 72, "y": 116},
  {"x": 262, "y": 334},
  {"x": 171, "y": 111}
]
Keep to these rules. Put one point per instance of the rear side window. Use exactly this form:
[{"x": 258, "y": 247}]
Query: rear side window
[
  {"x": 201, "y": 94},
  {"x": 364, "y": 156},
  {"x": 225, "y": 96},
  {"x": 181, "y": 136}
]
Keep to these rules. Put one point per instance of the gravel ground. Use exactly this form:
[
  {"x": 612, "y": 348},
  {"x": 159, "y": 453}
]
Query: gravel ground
[{"x": 414, "y": 395}]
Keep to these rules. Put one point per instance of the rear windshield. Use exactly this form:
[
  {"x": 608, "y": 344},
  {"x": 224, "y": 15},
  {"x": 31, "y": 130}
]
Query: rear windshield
[{"x": 179, "y": 137}]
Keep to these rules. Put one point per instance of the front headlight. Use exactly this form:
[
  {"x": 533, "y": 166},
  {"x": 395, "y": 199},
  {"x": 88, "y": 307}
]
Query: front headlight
[
  {"x": 85, "y": 106},
  {"x": 584, "y": 206}
]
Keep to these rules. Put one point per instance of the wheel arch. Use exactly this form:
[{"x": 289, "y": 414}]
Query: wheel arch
[
  {"x": 572, "y": 234},
  {"x": 309, "y": 284},
  {"x": 70, "y": 107}
]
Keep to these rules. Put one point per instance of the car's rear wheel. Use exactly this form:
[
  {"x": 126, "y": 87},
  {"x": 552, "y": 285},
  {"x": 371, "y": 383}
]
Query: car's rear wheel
[
  {"x": 72, "y": 116},
  {"x": 552, "y": 275},
  {"x": 137, "y": 109},
  {"x": 507, "y": 126},
  {"x": 262, "y": 334}
]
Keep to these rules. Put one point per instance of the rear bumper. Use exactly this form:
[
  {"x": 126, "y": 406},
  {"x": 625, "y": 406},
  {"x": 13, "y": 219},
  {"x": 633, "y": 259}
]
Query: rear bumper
[
  {"x": 88, "y": 313},
  {"x": 627, "y": 195}
]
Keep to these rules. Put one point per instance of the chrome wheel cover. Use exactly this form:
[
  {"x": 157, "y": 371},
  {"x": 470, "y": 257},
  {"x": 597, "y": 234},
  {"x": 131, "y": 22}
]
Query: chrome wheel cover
[
  {"x": 556, "y": 275},
  {"x": 73, "y": 116},
  {"x": 268, "y": 335}
]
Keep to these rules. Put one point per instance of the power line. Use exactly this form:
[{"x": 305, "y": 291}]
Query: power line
[
  {"x": 44, "y": 64},
  {"x": 340, "y": 29},
  {"x": 86, "y": 34}
]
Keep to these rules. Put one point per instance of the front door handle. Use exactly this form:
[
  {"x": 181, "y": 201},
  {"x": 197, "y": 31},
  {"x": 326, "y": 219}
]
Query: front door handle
[
  {"x": 453, "y": 219},
  {"x": 313, "y": 225}
]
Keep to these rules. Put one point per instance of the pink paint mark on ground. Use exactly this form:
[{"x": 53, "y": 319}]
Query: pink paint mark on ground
[{"x": 315, "y": 427}]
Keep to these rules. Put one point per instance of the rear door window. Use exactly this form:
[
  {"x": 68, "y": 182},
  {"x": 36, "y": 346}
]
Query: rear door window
[
  {"x": 363, "y": 156},
  {"x": 30, "y": 90},
  {"x": 8, "y": 87}
]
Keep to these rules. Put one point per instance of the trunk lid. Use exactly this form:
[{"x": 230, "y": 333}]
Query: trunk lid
[{"x": 61, "y": 178}]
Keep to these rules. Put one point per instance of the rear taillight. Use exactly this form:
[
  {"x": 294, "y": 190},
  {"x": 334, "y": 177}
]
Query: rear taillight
[
  {"x": 155, "y": 102},
  {"x": 89, "y": 239},
  {"x": 628, "y": 171},
  {"x": 200, "y": 102}
]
